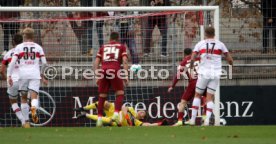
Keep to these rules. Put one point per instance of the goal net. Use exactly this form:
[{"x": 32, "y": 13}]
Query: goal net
[{"x": 71, "y": 36}]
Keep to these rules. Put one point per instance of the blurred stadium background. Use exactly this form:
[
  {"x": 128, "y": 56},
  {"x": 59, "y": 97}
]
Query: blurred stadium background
[{"x": 246, "y": 99}]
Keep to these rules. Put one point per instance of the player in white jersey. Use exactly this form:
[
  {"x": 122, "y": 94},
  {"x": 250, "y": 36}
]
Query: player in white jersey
[
  {"x": 210, "y": 51},
  {"x": 29, "y": 55},
  {"x": 13, "y": 90}
]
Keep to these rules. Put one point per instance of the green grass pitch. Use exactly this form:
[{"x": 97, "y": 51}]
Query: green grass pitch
[{"x": 140, "y": 135}]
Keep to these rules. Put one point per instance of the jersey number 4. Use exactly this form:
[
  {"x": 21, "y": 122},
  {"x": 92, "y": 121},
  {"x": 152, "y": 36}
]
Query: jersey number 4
[
  {"x": 29, "y": 53},
  {"x": 110, "y": 50}
]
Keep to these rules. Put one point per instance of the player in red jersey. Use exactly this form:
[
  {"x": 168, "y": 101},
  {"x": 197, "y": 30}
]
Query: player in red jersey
[
  {"x": 111, "y": 56},
  {"x": 189, "y": 74}
]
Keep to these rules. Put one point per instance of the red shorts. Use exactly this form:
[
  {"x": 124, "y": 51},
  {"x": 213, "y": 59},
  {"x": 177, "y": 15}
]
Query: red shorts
[
  {"x": 105, "y": 83},
  {"x": 189, "y": 93}
]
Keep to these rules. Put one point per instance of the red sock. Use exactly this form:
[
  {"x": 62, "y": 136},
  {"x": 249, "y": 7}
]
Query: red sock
[
  {"x": 119, "y": 102},
  {"x": 100, "y": 106},
  {"x": 180, "y": 116}
]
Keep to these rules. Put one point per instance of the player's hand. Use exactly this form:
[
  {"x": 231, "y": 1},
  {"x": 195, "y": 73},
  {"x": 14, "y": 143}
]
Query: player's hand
[
  {"x": 126, "y": 81},
  {"x": 10, "y": 82},
  {"x": 45, "y": 81},
  {"x": 163, "y": 122},
  {"x": 170, "y": 89},
  {"x": 97, "y": 82}
]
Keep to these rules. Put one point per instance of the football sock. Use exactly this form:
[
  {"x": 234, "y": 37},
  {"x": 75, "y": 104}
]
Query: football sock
[
  {"x": 25, "y": 111},
  {"x": 180, "y": 116},
  {"x": 34, "y": 103},
  {"x": 195, "y": 106},
  {"x": 119, "y": 102},
  {"x": 18, "y": 113},
  {"x": 209, "y": 110},
  {"x": 100, "y": 106}
]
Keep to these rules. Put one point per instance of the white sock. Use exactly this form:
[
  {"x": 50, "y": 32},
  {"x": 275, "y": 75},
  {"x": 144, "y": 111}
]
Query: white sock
[
  {"x": 196, "y": 105},
  {"x": 25, "y": 111},
  {"x": 116, "y": 113},
  {"x": 209, "y": 111},
  {"x": 34, "y": 103},
  {"x": 99, "y": 118},
  {"x": 18, "y": 113}
]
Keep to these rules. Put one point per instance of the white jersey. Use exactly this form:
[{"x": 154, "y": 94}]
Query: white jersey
[
  {"x": 210, "y": 51},
  {"x": 29, "y": 54},
  {"x": 7, "y": 59}
]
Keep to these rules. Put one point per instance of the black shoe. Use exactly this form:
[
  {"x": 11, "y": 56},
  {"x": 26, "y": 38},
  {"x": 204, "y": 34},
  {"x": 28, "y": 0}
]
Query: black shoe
[
  {"x": 81, "y": 115},
  {"x": 78, "y": 109}
]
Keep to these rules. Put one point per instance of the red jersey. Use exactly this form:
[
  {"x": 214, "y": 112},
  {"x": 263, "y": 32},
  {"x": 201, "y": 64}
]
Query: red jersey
[
  {"x": 184, "y": 69},
  {"x": 111, "y": 55},
  {"x": 185, "y": 63}
]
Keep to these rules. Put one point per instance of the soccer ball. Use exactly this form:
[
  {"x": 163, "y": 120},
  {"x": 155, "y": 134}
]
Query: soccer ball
[
  {"x": 222, "y": 122},
  {"x": 135, "y": 68}
]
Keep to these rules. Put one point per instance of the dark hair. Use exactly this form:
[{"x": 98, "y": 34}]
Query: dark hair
[
  {"x": 114, "y": 36},
  {"x": 209, "y": 32},
  {"x": 17, "y": 39},
  {"x": 187, "y": 51}
]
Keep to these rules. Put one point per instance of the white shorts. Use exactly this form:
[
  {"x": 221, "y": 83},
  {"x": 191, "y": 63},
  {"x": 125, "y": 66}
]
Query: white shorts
[
  {"x": 13, "y": 90},
  {"x": 210, "y": 83},
  {"x": 29, "y": 84}
]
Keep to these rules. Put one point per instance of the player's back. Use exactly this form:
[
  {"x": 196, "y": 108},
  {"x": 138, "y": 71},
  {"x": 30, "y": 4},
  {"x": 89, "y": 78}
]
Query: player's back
[
  {"x": 190, "y": 74},
  {"x": 210, "y": 51},
  {"x": 111, "y": 55},
  {"x": 29, "y": 54},
  {"x": 7, "y": 59}
]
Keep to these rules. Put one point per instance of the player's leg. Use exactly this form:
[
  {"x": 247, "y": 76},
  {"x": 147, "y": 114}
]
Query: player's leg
[
  {"x": 187, "y": 96},
  {"x": 211, "y": 89},
  {"x": 25, "y": 108},
  {"x": 33, "y": 88},
  {"x": 181, "y": 107},
  {"x": 13, "y": 95},
  {"x": 105, "y": 120},
  {"x": 87, "y": 107},
  {"x": 118, "y": 86},
  {"x": 103, "y": 90},
  {"x": 199, "y": 90}
]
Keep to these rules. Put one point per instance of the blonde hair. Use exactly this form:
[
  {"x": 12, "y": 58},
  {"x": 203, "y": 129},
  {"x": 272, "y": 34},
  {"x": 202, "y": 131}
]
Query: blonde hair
[{"x": 28, "y": 33}]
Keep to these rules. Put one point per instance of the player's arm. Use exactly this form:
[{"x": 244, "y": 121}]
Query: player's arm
[
  {"x": 11, "y": 68},
  {"x": 180, "y": 69},
  {"x": 227, "y": 55},
  {"x": 150, "y": 124},
  {"x": 193, "y": 58},
  {"x": 126, "y": 116},
  {"x": 229, "y": 58},
  {"x": 125, "y": 66},
  {"x": 43, "y": 66},
  {"x": 96, "y": 68},
  {"x": 124, "y": 110},
  {"x": 163, "y": 122},
  {"x": 4, "y": 69}
]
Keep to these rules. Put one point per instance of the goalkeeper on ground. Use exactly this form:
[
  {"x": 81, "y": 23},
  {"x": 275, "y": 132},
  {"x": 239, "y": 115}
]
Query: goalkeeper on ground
[
  {"x": 109, "y": 108},
  {"x": 127, "y": 116}
]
